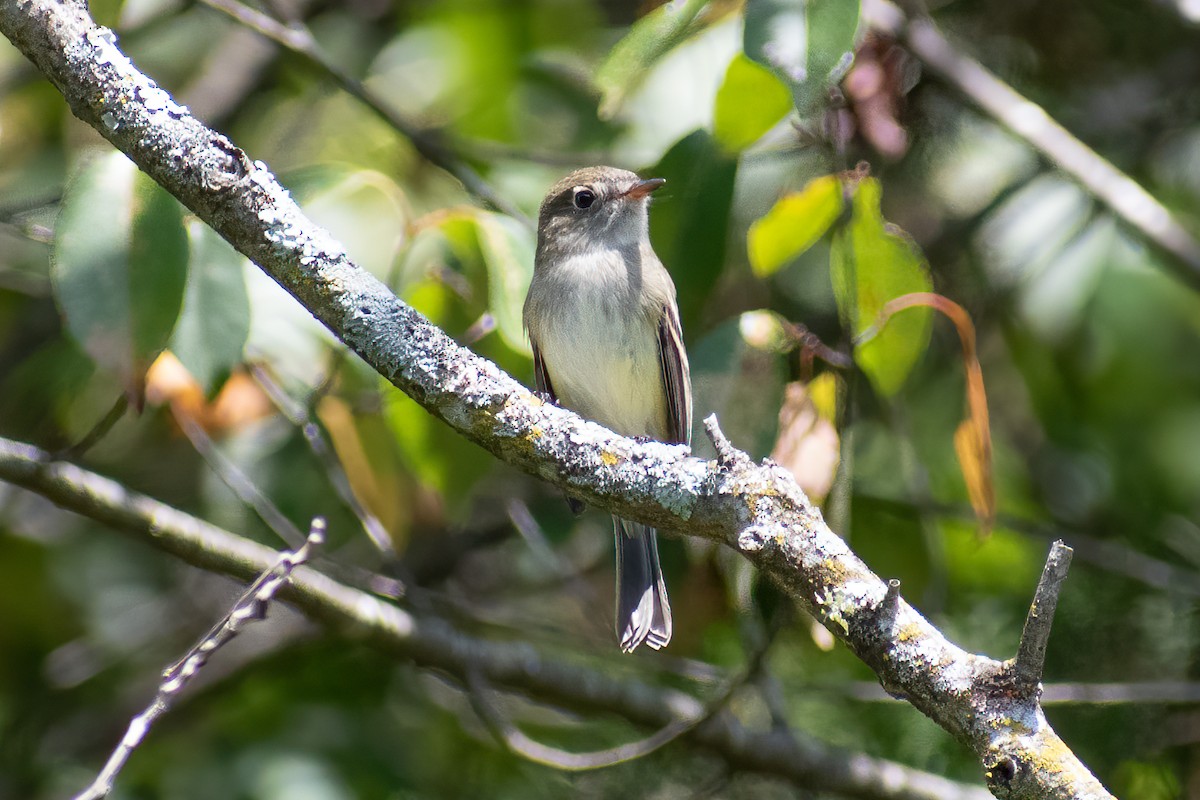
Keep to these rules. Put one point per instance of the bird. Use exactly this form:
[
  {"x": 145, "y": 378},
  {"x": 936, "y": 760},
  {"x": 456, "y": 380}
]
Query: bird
[{"x": 603, "y": 321}]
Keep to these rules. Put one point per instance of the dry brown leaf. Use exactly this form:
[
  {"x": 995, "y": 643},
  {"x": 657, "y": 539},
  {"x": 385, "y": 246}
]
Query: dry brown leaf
[
  {"x": 240, "y": 400},
  {"x": 808, "y": 444}
]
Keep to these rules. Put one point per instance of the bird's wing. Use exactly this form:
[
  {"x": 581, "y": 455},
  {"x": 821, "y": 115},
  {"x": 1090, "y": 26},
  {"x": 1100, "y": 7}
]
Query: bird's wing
[
  {"x": 676, "y": 380},
  {"x": 541, "y": 378},
  {"x": 541, "y": 381}
]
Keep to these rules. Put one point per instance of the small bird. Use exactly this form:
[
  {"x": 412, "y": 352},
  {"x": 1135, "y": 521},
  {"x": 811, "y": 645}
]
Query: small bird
[{"x": 602, "y": 318}]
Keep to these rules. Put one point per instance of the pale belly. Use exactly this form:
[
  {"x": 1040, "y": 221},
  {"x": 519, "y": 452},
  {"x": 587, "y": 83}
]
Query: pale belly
[{"x": 606, "y": 368}]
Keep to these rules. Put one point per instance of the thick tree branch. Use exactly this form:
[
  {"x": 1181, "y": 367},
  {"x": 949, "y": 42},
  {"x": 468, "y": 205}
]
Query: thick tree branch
[
  {"x": 756, "y": 509},
  {"x": 433, "y": 643}
]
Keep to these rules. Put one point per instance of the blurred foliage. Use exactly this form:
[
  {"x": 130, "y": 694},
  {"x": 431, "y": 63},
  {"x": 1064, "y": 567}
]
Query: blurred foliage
[{"x": 1088, "y": 348}]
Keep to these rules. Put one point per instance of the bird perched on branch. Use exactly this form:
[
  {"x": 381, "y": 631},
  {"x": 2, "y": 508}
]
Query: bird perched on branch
[{"x": 602, "y": 318}]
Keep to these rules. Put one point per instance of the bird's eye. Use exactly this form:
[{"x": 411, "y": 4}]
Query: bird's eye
[{"x": 584, "y": 197}]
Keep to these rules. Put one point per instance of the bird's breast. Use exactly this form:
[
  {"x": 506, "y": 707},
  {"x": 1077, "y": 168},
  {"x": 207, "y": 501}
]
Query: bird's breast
[{"x": 600, "y": 348}]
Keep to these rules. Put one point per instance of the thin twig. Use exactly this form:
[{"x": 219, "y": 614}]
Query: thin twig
[
  {"x": 297, "y": 38},
  {"x": 727, "y": 454},
  {"x": 1031, "y": 652},
  {"x": 239, "y": 482},
  {"x": 299, "y": 416},
  {"x": 521, "y": 745},
  {"x": 250, "y": 607},
  {"x": 516, "y": 741},
  {"x": 98, "y": 431},
  {"x": 1125, "y": 196},
  {"x": 812, "y": 345},
  {"x": 535, "y": 538}
]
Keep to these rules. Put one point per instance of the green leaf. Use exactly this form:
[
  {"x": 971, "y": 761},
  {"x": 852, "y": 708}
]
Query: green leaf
[
  {"x": 871, "y": 263},
  {"x": 119, "y": 266},
  {"x": 750, "y": 102},
  {"x": 807, "y": 43},
  {"x": 508, "y": 249},
  {"x": 215, "y": 319},
  {"x": 648, "y": 40},
  {"x": 689, "y": 220},
  {"x": 106, "y": 12},
  {"x": 795, "y": 223}
]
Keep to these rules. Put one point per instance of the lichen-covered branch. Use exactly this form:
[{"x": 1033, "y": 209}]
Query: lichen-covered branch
[
  {"x": 434, "y": 643},
  {"x": 756, "y": 509}
]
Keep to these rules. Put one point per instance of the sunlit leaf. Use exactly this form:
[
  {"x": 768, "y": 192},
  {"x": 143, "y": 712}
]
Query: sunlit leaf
[
  {"x": 508, "y": 250},
  {"x": 215, "y": 319},
  {"x": 372, "y": 469},
  {"x": 649, "y": 39},
  {"x": 240, "y": 401},
  {"x": 119, "y": 266},
  {"x": 106, "y": 12},
  {"x": 750, "y": 102},
  {"x": 871, "y": 263},
  {"x": 793, "y": 225},
  {"x": 807, "y": 43},
  {"x": 972, "y": 445}
]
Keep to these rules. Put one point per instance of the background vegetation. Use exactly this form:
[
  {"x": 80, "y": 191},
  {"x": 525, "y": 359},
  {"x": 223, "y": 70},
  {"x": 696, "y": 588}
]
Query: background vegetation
[{"x": 1087, "y": 336}]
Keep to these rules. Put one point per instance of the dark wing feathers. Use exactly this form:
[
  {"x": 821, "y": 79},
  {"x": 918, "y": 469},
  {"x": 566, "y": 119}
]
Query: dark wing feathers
[
  {"x": 541, "y": 378},
  {"x": 676, "y": 380}
]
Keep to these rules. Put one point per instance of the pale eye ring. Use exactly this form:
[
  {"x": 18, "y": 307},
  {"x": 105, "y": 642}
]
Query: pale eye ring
[{"x": 583, "y": 198}]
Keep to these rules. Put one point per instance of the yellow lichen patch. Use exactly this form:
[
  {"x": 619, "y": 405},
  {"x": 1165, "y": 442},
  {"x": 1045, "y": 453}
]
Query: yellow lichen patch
[
  {"x": 834, "y": 570},
  {"x": 534, "y": 433},
  {"x": 609, "y": 458}
]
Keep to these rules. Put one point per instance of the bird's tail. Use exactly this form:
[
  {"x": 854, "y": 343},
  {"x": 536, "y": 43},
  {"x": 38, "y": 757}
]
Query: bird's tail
[{"x": 643, "y": 613}]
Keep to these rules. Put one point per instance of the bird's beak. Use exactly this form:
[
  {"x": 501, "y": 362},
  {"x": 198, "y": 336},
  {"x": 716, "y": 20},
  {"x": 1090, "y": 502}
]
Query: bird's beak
[{"x": 643, "y": 188}]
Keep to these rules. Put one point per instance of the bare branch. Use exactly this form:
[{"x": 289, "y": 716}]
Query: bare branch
[
  {"x": 433, "y": 643},
  {"x": 299, "y": 416},
  {"x": 98, "y": 431},
  {"x": 238, "y": 482},
  {"x": 1149, "y": 692},
  {"x": 1126, "y": 197},
  {"x": 250, "y": 607},
  {"x": 1031, "y": 653}
]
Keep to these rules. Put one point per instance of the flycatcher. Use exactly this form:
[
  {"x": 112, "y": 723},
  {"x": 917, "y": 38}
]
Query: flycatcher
[{"x": 604, "y": 325}]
